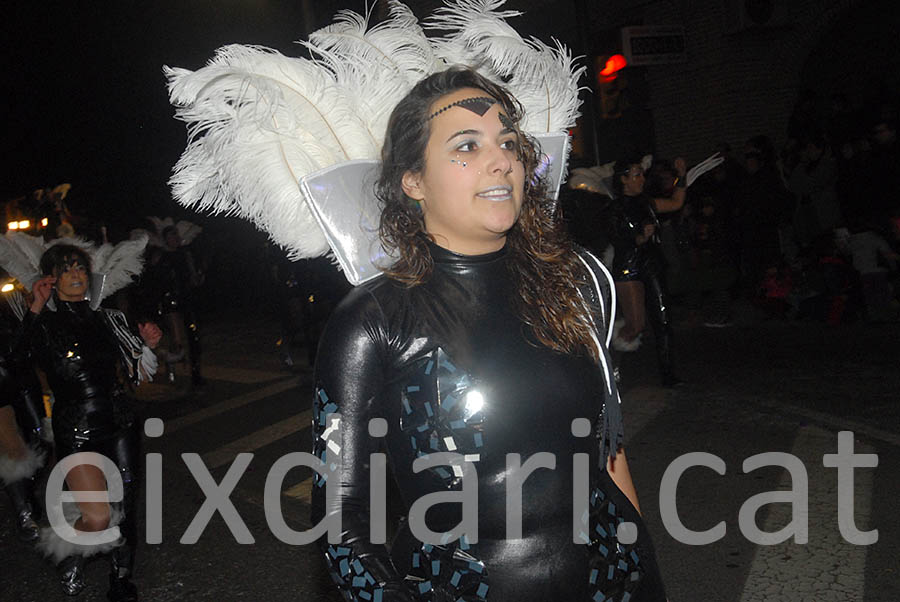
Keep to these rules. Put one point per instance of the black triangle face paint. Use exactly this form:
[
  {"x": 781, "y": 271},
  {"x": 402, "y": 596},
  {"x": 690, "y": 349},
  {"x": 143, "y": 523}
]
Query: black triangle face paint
[{"x": 477, "y": 104}]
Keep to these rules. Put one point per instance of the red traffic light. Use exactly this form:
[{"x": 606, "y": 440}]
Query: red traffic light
[{"x": 614, "y": 63}]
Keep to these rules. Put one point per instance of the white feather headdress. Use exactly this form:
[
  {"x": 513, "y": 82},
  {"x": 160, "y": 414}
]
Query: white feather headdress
[
  {"x": 187, "y": 231},
  {"x": 112, "y": 266},
  {"x": 262, "y": 125}
]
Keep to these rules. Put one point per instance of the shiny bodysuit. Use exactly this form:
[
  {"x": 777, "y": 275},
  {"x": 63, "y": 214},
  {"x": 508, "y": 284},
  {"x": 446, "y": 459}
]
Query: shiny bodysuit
[
  {"x": 643, "y": 263},
  {"x": 452, "y": 368},
  {"x": 80, "y": 356},
  {"x": 19, "y": 386}
]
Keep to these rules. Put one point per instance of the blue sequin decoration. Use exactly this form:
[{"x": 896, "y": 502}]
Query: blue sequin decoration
[
  {"x": 618, "y": 564},
  {"x": 448, "y": 572},
  {"x": 438, "y": 415}
]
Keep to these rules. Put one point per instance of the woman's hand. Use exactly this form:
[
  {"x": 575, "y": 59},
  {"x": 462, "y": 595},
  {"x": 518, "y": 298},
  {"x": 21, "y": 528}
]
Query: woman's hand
[
  {"x": 41, "y": 290},
  {"x": 647, "y": 234},
  {"x": 151, "y": 334},
  {"x": 680, "y": 167}
]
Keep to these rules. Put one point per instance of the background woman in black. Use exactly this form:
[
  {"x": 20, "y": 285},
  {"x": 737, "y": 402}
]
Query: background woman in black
[
  {"x": 484, "y": 339},
  {"x": 638, "y": 265},
  {"x": 22, "y": 450},
  {"x": 85, "y": 358}
]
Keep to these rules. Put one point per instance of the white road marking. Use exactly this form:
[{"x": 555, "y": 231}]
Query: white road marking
[
  {"x": 230, "y": 404},
  {"x": 257, "y": 439},
  {"x": 839, "y": 423},
  {"x": 827, "y": 569},
  {"x": 301, "y": 491}
]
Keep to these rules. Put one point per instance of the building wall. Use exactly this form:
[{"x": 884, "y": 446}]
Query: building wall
[{"x": 733, "y": 85}]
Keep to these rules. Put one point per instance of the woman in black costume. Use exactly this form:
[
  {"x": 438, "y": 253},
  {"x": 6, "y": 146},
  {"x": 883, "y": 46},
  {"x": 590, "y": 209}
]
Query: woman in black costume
[
  {"x": 481, "y": 341},
  {"x": 22, "y": 450},
  {"x": 83, "y": 353},
  {"x": 638, "y": 268}
]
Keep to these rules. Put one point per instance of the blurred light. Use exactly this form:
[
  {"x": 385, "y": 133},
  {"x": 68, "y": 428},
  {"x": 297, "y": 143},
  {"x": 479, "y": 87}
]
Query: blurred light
[
  {"x": 24, "y": 224},
  {"x": 44, "y": 222},
  {"x": 12, "y": 225},
  {"x": 474, "y": 402},
  {"x": 312, "y": 299},
  {"x": 614, "y": 63},
  {"x": 8, "y": 287}
]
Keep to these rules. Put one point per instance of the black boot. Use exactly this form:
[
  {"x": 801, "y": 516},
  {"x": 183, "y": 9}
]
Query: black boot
[
  {"x": 20, "y": 494},
  {"x": 71, "y": 575},
  {"x": 121, "y": 589},
  {"x": 664, "y": 355}
]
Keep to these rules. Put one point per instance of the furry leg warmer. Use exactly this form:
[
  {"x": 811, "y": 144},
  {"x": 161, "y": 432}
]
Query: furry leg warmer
[
  {"x": 53, "y": 545},
  {"x": 15, "y": 470}
]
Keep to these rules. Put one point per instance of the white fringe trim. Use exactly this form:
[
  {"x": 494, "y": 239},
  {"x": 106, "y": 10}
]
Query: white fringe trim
[
  {"x": 148, "y": 364},
  {"x": 57, "y": 548},
  {"x": 16, "y": 470}
]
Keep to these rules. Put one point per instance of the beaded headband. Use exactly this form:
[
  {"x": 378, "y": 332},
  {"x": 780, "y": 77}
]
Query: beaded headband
[{"x": 477, "y": 104}]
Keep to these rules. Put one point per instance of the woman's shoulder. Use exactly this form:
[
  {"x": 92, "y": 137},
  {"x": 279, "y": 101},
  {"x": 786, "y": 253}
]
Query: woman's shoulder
[
  {"x": 374, "y": 295},
  {"x": 367, "y": 307}
]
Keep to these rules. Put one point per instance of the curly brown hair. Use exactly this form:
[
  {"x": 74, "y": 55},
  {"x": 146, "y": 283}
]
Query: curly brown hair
[{"x": 543, "y": 266}]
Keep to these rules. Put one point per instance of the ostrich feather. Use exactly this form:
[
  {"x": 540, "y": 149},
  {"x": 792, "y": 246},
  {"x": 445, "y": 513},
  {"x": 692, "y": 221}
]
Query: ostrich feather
[
  {"x": 478, "y": 36},
  {"x": 258, "y": 121},
  {"x": 377, "y": 65},
  {"x": 543, "y": 78},
  {"x": 20, "y": 255},
  {"x": 187, "y": 231},
  {"x": 119, "y": 263},
  {"x": 549, "y": 89}
]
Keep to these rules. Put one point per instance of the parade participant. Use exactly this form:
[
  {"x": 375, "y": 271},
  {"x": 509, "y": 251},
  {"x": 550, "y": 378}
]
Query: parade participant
[
  {"x": 486, "y": 333},
  {"x": 22, "y": 450},
  {"x": 168, "y": 291},
  {"x": 479, "y": 342},
  {"x": 637, "y": 265},
  {"x": 84, "y": 352}
]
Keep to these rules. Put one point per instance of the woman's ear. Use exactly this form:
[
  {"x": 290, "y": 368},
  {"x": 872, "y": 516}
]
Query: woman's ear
[{"x": 412, "y": 186}]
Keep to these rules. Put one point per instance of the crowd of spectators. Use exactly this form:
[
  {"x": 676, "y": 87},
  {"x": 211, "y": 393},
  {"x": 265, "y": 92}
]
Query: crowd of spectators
[{"x": 810, "y": 230}]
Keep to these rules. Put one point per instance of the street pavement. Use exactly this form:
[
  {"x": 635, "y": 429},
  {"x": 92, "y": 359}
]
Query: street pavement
[{"x": 758, "y": 386}]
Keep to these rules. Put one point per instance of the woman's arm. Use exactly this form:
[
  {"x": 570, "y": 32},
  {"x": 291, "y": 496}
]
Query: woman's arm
[
  {"x": 676, "y": 202},
  {"x": 350, "y": 375},
  {"x": 617, "y": 468}
]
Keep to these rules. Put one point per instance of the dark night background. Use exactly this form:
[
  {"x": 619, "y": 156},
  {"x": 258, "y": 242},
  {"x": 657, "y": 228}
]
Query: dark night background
[{"x": 87, "y": 101}]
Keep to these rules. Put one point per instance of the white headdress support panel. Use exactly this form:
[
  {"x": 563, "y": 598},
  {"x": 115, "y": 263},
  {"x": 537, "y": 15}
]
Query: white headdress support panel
[{"x": 266, "y": 133}]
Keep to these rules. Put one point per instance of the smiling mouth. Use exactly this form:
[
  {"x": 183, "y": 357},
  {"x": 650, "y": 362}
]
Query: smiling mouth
[{"x": 496, "y": 193}]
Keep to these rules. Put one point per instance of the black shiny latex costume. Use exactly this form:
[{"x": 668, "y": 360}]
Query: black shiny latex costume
[
  {"x": 81, "y": 357},
  {"x": 167, "y": 293},
  {"x": 451, "y": 368},
  {"x": 20, "y": 389},
  {"x": 627, "y": 220},
  {"x": 643, "y": 263},
  {"x": 19, "y": 386}
]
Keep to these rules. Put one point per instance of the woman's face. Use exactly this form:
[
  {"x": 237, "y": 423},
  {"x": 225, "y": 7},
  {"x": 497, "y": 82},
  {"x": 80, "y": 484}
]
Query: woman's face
[
  {"x": 633, "y": 180},
  {"x": 472, "y": 186},
  {"x": 71, "y": 283}
]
